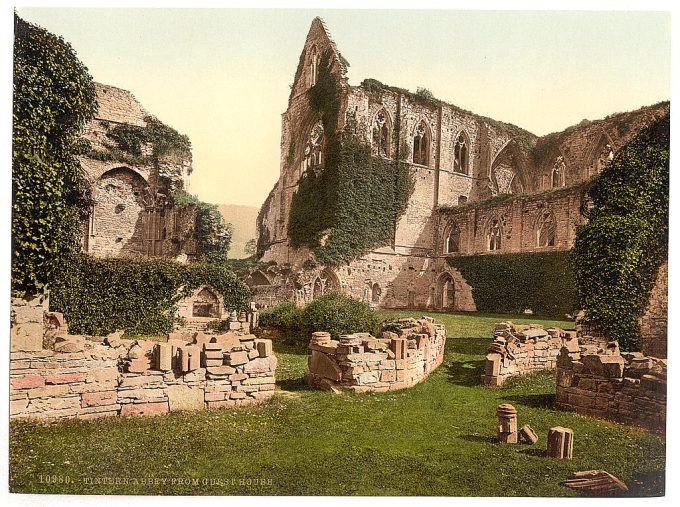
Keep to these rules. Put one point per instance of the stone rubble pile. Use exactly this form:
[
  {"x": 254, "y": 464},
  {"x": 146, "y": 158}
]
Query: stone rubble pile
[
  {"x": 518, "y": 349},
  {"x": 600, "y": 381},
  {"x": 362, "y": 362},
  {"x": 82, "y": 378}
]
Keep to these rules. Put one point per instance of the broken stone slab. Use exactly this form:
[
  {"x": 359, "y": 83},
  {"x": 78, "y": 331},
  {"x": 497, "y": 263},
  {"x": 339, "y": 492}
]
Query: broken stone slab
[
  {"x": 261, "y": 365},
  {"x": 69, "y": 343},
  {"x": 528, "y": 435},
  {"x": 596, "y": 482},
  {"x": 608, "y": 366},
  {"x": 320, "y": 364},
  {"x": 560, "y": 443}
]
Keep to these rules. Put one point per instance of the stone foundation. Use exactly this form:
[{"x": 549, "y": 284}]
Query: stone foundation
[
  {"x": 84, "y": 379},
  {"x": 628, "y": 388},
  {"x": 519, "y": 349},
  {"x": 398, "y": 359}
]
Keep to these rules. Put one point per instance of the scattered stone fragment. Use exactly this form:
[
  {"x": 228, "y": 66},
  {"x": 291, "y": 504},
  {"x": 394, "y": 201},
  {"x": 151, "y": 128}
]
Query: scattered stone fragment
[
  {"x": 507, "y": 424},
  {"x": 528, "y": 435},
  {"x": 560, "y": 443},
  {"x": 596, "y": 483}
]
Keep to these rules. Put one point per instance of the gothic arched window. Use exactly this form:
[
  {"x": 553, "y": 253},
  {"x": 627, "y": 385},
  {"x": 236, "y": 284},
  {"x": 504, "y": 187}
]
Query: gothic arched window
[
  {"x": 494, "y": 234},
  {"x": 381, "y": 134},
  {"x": 421, "y": 145},
  {"x": 461, "y": 153},
  {"x": 545, "y": 229},
  {"x": 452, "y": 240},
  {"x": 313, "y": 155},
  {"x": 558, "y": 173}
]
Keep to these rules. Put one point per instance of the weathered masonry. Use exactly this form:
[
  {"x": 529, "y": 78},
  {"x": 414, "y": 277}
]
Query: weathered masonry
[
  {"x": 81, "y": 378},
  {"x": 360, "y": 362},
  {"x": 481, "y": 187},
  {"x": 132, "y": 172}
]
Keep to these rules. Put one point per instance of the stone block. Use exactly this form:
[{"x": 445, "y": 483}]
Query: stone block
[
  {"x": 27, "y": 382},
  {"x": 388, "y": 375},
  {"x": 102, "y": 374},
  {"x": 528, "y": 435},
  {"x": 320, "y": 364},
  {"x": 211, "y": 363},
  {"x": 560, "y": 443},
  {"x": 69, "y": 343},
  {"x": 221, "y": 370},
  {"x": 17, "y": 406},
  {"x": 65, "y": 378},
  {"x": 100, "y": 398},
  {"x": 48, "y": 391},
  {"x": 26, "y": 337},
  {"x": 398, "y": 346},
  {"x": 235, "y": 358},
  {"x": 492, "y": 365},
  {"x": 163, "y": 356},
  {"x": 182, "y": 398},
  {"x": 252, "y": 354},
  {"x": 139, "y": 365},
  {"x": 264, "y": 347},
  {"x": 154, "y": 408},
  {"x": 261, "y": 365}
]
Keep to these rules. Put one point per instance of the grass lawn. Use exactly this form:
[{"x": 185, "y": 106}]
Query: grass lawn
[{"x": 436, "y": 438}]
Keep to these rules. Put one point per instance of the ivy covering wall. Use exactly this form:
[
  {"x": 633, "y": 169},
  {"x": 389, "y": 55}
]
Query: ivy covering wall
[
  {"x": 511, "y": 283},
  {"x": 127, "y": 143},
  {"x": 212, "y": 233},
  {"x": 350, "y": 205},
  {"x": 99, "y": 296},
  {"x": 619, "y": 251},
  {"x": 53, "y": 99}
]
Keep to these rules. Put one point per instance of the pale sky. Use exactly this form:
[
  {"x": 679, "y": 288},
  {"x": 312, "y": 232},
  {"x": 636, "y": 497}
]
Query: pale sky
[{"x": 222, "y": 76}]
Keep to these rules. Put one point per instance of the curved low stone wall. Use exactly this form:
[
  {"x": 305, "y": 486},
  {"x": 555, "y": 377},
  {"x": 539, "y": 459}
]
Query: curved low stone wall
[
  {"x": 84, "y": 379},
  {"x": 362, "y": 362},
  {"x": 518, "y": 349}
]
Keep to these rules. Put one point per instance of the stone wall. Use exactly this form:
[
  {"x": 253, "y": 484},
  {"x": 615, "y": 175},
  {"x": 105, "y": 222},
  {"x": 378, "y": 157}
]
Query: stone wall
[
  {"x": 544, "y": 173},
  {"x": 131, "y": 215},
  {"x": 361, "y": 362},
  {"x": 557, "y": 213},
  {"x": 628, "y": 388},
  {"x": 85, "y": 379},
  {"x": 519, "y": 349},
  {"x": 654, "y": 322}
]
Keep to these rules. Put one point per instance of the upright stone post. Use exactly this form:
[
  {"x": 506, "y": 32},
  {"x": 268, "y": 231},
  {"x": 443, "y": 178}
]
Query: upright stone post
[
  {"x": 560, "y": 442},
  {"x": 507, "y": 424}
]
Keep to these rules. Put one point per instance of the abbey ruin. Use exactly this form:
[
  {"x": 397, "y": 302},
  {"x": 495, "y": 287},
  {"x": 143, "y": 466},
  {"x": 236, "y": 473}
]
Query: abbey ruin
[
  {"x": 481, "y": 187},
  {"x": 132, "y": 174}
]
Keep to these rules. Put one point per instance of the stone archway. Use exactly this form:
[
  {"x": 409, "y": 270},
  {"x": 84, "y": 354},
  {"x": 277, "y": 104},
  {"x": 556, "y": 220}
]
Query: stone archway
[{"x": 446, "y": 297}]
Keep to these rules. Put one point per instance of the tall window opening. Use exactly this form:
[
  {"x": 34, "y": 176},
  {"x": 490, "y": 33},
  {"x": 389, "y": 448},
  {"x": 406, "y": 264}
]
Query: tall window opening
[
  {"x": 421, "y": 145},
  {"x": 461, "y": 154}
]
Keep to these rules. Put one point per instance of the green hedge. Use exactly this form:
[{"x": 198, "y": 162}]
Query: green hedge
[
  {"x": 619, "y": 251},
  {"x": 511, "y": 283},
  {"x": 335, "y": 313},
  {"x": 98, "y": 296}
]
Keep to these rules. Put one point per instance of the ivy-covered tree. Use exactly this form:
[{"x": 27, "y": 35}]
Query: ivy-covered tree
[
  {"x": 212, "y": 232},
  {"x": 617, "y": 254},
  {"x": 54, "y": 98}
]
